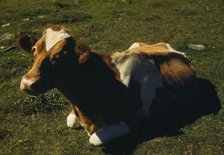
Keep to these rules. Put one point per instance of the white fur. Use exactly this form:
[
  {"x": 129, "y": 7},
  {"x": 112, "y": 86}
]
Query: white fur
[
  {"x": 26, "y": 82},
  {"x": 134, "y": 45},
  {"x": 109, "y": 133},
  {"x": 72, "y": 121},
  {"x": 95, "y": 140},
  {"x": 53, "y": 37},
  {"x": 144, "y": 71},
  {"x": 174, "y": 51},
  {"x": 125, "y": 65}
]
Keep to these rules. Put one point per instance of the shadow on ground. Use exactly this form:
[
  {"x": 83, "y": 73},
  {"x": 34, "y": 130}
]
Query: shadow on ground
[{"x": 205, "y": 103}]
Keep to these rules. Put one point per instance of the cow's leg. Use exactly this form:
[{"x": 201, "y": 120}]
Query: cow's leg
[
  {"x": 72, "y": 120},
  {"x": 109, "y": 133}
]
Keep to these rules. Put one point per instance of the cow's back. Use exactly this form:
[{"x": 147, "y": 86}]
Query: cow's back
[{"x": 165, "y": 79}]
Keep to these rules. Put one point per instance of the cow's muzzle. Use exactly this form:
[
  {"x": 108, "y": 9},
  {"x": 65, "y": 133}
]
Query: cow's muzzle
[{"x": 30, "y": 85}]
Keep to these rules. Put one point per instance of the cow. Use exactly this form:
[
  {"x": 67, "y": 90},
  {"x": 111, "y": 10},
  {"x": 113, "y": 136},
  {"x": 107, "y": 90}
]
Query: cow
[{"x": 109, "y": 92}]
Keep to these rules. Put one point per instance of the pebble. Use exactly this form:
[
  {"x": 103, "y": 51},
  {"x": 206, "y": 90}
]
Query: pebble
[
  {"x": 26, "y": 19},
  {"x": 2, "y": 47},
  {"x": 197, "y": 47},
  {"x": 5, "y": 25},
  {"x": 41, "y": 16}
]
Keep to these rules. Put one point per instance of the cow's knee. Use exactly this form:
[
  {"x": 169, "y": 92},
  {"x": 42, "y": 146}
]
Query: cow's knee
[
  {"x": 72, "y": 121},
  {"x": 108, "y": 133}
]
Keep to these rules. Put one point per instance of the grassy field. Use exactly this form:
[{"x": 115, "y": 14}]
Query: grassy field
[{"x": 36, "y": 125}]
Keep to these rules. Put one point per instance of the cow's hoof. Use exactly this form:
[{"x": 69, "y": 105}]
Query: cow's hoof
[
  {"x": 72, "y": 121},
  {"x": 109, "y": 133},
  {"x": 95, "y": 140}
]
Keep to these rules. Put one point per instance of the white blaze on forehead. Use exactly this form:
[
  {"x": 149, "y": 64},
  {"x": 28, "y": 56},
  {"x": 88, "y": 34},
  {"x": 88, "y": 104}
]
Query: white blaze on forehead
[{"x": 53, "y": 37}]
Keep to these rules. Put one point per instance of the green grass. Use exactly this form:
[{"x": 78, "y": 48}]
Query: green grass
[{"x": 37, "y": 125}]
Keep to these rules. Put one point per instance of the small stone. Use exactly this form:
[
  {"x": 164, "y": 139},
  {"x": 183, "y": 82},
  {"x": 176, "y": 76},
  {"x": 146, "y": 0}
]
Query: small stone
[
  {"x": 2, "y": 47},
  {"x": 5, "y": 25},
  {"x": 20, "y": 141},
  {"x": 26, "y": 19},
  {"x": 41, "y": 16},
  {"x": 196, "y": 47}
]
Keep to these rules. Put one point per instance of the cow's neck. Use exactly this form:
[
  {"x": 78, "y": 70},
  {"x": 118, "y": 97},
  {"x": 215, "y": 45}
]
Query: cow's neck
[
  {"x": 106, "y": 57},
  {"x": 97, "y": 72},
  {"x": 96, "y": 89}
]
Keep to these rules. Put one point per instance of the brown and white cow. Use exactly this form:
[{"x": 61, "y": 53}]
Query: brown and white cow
[{"x": 109, "y": 93}]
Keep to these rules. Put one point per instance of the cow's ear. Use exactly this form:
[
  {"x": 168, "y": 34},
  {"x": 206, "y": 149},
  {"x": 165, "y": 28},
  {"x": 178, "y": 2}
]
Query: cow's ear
[
  {"x": 83, "y": 52},
  {"x": 26, "y": 42}
]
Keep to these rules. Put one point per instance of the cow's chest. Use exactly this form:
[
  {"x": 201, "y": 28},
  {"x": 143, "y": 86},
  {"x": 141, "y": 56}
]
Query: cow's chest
[{"x": 142, "y": 70}]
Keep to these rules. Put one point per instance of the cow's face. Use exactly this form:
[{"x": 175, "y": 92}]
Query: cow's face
[{"x": 52, "y": 54}]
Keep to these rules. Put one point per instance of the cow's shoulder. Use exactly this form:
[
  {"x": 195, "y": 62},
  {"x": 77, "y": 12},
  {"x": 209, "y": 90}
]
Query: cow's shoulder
[{"x": 107, "y": 59}]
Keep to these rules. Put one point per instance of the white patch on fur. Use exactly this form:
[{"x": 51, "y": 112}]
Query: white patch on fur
[
  {"x": 174, "y": 51},
  {"x": 26, "y": 82},
  {"x": 134, "y": 45},
  {"x": 109, "y": 133},
  {"x": 124, "y": 62},
  {"x": 53, "y": 37},
  {"x": 72, "y": 121},
  {"x": 95, "y": 140},
  {"x": 144, "y": 71}
]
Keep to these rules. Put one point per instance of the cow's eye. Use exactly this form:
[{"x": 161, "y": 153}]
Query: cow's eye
[{"x": 61, "y": 54}]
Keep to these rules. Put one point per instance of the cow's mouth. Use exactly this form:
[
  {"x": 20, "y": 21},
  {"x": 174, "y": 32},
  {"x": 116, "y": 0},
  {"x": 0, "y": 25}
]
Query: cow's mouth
[{"x": 32, "y": 92}]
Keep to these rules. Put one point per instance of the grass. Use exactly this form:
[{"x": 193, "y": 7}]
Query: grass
[{"x": 37, "y": 125}]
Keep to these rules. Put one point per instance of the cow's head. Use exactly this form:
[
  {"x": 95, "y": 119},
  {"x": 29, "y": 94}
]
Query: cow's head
[{"x": 54, "y": 53}]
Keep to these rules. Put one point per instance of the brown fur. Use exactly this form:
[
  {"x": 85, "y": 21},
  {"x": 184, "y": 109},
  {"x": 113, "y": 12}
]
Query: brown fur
[
  {"x": 108, "y": 60},
  {"x": 175, "y": 68},
  {"x": 158, "y": 49},
  {"x": 180, "y": 87},
  {"x": 90, "y": 126},
  {"x": 83, "y": 51}
]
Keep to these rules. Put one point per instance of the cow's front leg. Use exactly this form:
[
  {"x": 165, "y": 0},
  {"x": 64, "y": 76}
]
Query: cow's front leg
[
  {"x": 72, "y": 120},
  {"x": 108, "y": 133}
]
